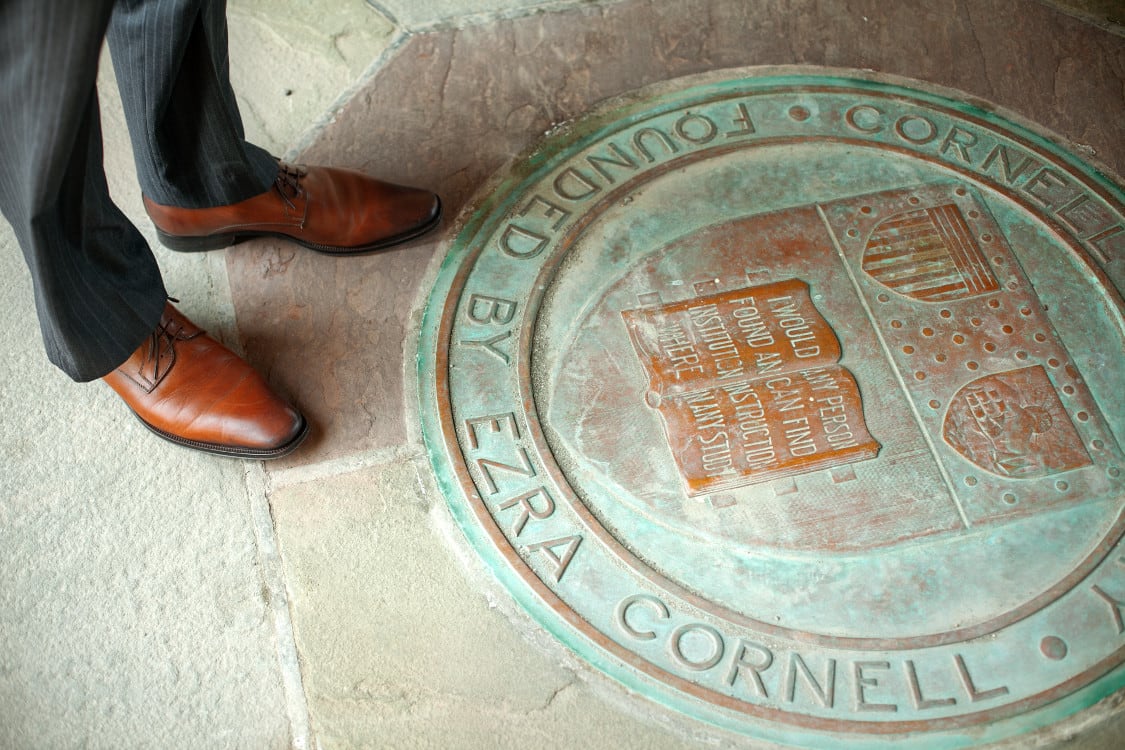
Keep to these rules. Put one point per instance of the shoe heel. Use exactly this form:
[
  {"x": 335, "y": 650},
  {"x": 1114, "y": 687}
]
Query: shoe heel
[{"x": 196, "y": 244}]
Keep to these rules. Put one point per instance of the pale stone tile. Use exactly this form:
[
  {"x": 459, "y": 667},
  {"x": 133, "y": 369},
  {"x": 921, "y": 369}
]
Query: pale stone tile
[
  {"x": 131, "y": 608},
  {"x": 418, "y": 14},
  {"x": 291, "y": 60},
  {"x": 401, "y": 648}
]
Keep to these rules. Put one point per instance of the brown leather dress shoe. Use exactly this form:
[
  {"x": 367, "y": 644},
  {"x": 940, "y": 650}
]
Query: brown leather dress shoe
[
  {"x": 337, "y": 211},
  {"x": 190, "y": 389}
]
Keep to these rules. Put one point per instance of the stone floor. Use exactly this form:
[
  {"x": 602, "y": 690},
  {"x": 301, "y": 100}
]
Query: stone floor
[{"x": 155, "y": 598}]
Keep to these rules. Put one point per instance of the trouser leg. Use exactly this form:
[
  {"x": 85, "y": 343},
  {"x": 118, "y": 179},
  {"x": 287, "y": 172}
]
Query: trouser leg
[
  {"x": 98, "y": 291},
  {"x": 172, "y": 67}
]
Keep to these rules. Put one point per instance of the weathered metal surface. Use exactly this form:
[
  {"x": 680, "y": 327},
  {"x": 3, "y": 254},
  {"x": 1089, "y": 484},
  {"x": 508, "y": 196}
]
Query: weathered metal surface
[{"x": 794, "y": 402}]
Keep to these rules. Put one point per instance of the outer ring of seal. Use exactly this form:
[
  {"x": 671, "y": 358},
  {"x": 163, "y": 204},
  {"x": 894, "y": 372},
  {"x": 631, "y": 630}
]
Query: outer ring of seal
[{"x": 490, "y": 204}]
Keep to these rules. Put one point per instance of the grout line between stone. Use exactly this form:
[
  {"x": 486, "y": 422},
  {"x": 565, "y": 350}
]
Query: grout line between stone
[
  {"x": 273, "y": 578},
  {"x": 310, "y": 135},
  {"x": 403, "y": 34},
  {"x": 1094, "y": 19},
  {"x": 382, "y": 10},
  {"x": 344, "y": 465},
  {"x": 464, "y": 20}
]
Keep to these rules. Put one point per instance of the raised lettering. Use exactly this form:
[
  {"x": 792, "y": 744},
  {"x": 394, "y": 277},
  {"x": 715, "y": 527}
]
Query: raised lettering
[
  {"x": 975, "y": 695},
  {"x": 916, "y": 698},
  {"x": 717, "y": 647},
  {"x": 762, "y": 659},
  {"x": 1085, "y": 216},
  {"x": 907, "y": 128},
  {"x": 743, "y": 121},
  {"x": 650, "y": 133},
  {"x": 825, "y": 694},
  {"x": 571, "y": 177},
  {"x": 486, "y": 465},
  {"x": 623, "y": 612},
  {"x": 1010, "y": 175},
  {"x": 623, "y": 160},
  {"x": 521, "y": 243},
  {"x": 1106, "y": 250},
  {"x": 961, "y": 141},
  {"x": 488, "y": 345},
  {"x": 1048, "y": 181},
  {"x": 561, "y": 562},
  {"x": 550, "y": 210},
  {"x": 863, "y": 681},
  {"x": 528, "y": 510},
  {"x": 704, "y": 132},
  {"x": 1116, "y": 606},
  {"x": 493, "y": 422},
  {"x": 864, "y": 118},
  {"x": 495, "y": 309}
]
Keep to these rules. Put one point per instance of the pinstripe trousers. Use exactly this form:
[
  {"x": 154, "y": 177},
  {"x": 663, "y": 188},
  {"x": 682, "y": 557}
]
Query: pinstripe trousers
[{"x": 98, "y": 291}]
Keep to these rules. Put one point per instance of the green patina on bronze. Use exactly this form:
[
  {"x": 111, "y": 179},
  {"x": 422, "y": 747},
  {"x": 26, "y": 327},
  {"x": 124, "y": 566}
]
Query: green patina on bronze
[{"x": 793, "y": 401}]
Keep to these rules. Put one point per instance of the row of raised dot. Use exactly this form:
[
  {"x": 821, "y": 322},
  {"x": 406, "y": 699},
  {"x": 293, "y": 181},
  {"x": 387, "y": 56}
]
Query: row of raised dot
[
  {"x": 990, "y": 347},
  {"x": 1061, "y": 485},
  {"x": 1010, "y": 498}
]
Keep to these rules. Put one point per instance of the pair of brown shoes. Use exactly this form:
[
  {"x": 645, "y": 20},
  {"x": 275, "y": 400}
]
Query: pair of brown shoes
[{"x": 190, "y": 389}]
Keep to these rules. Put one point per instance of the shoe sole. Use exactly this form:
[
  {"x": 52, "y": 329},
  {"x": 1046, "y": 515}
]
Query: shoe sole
[
  {"x": 184, "y": 244},
  {"x": 229, "y": 451}
]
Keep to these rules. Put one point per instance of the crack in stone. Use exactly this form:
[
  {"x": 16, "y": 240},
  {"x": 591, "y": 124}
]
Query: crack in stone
[
  {"x": 554, "y": 696},
  {"x": 967, "y": 12},
  {"x": 444, "y": 87}
]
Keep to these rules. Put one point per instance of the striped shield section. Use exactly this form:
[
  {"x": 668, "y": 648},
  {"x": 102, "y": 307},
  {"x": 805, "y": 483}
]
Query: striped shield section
[{"x": 928, "y": 254}]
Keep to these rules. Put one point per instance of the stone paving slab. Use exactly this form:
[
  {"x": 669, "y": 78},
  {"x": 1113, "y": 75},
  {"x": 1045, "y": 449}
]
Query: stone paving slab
[
  {"x": 402, "y": 647},
  {"x": 415, "y": 15},
  {"x": 131, "y": 608},
  {"x": 293, "y": 59}
]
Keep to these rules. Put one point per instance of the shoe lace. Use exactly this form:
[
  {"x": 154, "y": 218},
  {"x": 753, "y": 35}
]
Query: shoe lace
[
  {"x": 161, "y": 339},
  {"x": 288, "y": 182}
]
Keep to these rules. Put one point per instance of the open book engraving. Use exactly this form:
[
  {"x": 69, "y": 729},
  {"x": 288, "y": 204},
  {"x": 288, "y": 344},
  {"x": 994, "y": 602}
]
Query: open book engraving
[{"x": 748, "y": 386}]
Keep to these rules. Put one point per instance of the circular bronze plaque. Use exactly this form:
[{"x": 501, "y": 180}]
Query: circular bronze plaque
[{"x": 795, "y": 402}]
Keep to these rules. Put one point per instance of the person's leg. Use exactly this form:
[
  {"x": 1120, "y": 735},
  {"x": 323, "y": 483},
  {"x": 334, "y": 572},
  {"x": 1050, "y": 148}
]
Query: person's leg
[
  {"x": 170, "y": 57},
  {"x": 102, "y": 305},
  {"x": 98, "y": 291},
  {"x": 204, "y": 186}
]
